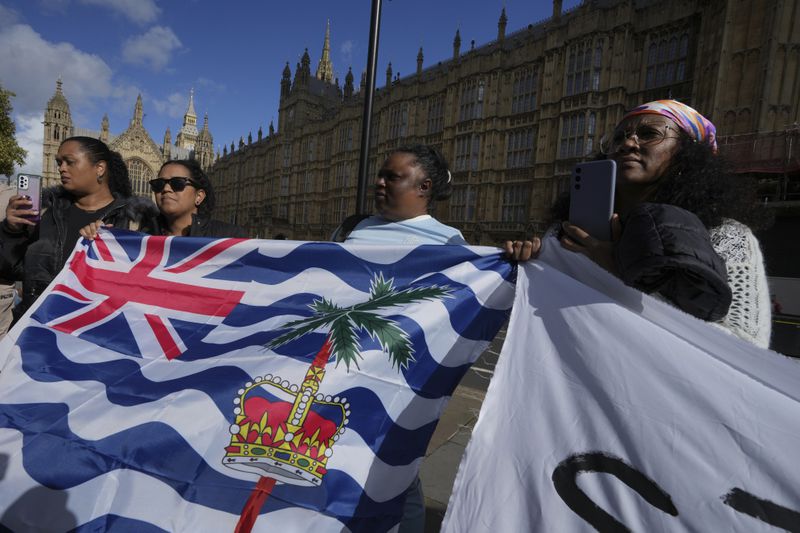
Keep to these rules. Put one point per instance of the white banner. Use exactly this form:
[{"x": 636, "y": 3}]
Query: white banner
[{"x": 613, "y": 411}]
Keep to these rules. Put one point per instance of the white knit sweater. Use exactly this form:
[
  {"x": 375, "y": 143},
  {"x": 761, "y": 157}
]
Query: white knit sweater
[{"x": 750, "y": 314}]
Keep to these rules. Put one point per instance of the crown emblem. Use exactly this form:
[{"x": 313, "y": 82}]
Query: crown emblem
[{"x": 285, "y": 431}]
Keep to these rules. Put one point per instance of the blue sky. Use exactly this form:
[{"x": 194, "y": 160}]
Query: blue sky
[{"x": 232, "y": 54}]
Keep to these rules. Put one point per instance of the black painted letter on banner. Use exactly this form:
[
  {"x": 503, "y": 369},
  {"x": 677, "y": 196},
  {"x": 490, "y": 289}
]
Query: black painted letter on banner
[{"x": 565, "y": 482}]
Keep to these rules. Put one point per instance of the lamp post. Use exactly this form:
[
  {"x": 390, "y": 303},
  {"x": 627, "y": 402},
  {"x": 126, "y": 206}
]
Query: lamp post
[{"x": 366, "y": 121}]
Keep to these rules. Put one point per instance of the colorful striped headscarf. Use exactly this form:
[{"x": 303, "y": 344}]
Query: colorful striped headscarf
[{"x": 693, "y": 123}]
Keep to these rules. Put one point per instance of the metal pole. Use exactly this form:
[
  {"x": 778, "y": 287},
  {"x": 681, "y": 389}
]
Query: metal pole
[{"x": 366, "y": 120}]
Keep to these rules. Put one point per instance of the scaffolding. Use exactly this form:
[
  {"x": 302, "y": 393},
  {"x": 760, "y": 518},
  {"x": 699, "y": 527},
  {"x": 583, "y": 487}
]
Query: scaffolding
[{"x": 771, "y": 157}]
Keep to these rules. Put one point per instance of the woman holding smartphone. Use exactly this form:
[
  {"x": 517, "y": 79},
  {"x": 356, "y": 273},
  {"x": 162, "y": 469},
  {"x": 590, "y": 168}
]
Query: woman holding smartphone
[
  {"x": 94, "y": 184},
  {"x": 680, "y": 229}
]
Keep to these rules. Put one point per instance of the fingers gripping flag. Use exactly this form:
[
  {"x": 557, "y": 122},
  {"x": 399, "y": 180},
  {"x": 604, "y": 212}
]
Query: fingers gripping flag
[{"x": 169, "y": 384}]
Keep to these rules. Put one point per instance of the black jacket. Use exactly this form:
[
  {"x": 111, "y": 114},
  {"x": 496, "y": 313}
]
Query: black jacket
[
  {"x": 666, "y": 249},
  {"x": 203, "y": 226},
  {"x": 34, "y": 254}
]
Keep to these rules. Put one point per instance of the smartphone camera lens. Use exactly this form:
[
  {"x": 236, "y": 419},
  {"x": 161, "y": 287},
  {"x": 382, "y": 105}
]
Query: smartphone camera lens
[
  {"x": 577, "y": 179},
  {"x": 577, "y": 186}
]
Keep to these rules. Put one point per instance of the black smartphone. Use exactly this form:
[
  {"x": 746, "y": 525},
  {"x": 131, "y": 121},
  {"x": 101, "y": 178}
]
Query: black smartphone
[
  {"x": 591, "y": 197},
  {"x": 30, "y": 185}
]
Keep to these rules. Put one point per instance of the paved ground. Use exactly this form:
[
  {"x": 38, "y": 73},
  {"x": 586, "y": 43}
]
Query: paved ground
[{"x": 438, "y": 471}]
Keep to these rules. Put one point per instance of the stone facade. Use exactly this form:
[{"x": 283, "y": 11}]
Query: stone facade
[
  {"x": 141, "y": 154},
  {"x": 514, "y": 115}
]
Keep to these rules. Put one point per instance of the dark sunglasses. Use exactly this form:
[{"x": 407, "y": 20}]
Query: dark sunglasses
[{"x": 177, "y": 184}]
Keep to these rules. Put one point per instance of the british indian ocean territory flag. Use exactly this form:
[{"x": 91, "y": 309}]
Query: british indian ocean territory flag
[{"x": 189, "y": 384}]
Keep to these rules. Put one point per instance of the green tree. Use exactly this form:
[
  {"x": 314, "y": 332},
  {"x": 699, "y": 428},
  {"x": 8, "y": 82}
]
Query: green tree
[{"x": 11, "y": 153}]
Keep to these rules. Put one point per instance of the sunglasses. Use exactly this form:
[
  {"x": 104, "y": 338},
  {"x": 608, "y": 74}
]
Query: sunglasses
[
  {"x": 646, "y": 135},
  {"x": 177, "y": 184}
]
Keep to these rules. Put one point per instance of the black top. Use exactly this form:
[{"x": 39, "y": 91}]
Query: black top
[{"x": 77, "y": 218}]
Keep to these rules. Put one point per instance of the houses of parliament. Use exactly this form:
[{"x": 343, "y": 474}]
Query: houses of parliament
[
  {"x": 141, "y": 154},
  {"x": 514, "y": 115}
]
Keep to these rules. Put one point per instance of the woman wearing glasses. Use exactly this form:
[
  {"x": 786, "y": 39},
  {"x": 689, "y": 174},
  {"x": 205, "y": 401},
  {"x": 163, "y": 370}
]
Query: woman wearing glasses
[
  {"x": 680, "y": 226},
  {"x": 94, "y": 184},
  {"x": 185, "y": 200}
]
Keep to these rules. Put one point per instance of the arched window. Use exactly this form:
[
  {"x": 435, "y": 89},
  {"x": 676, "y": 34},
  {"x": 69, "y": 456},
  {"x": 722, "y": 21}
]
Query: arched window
[
  {"x": 140, "y": 174},
  {"x": 666, "y": 60}
]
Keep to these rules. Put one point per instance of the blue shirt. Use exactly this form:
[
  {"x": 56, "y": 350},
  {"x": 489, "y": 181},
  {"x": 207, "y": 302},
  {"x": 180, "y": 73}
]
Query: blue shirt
[{"x": 423, "y": 229}]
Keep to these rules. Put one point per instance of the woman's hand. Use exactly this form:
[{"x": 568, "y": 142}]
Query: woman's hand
[
  {"x": 601, "y": 252},
  {"x": 17, "y": 209},
  {"x": 523, "y": 250},
  {"x": 90, "y": 230}
]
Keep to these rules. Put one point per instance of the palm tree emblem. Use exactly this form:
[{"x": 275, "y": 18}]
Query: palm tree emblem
[{"x": 294, "y": 447}]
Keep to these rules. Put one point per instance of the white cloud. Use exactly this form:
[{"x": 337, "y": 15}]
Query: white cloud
[
  {"x": 141, "y": 11},
  {"x": 29, "y": 66},
  {"x": 211, "y": 85},
  {"x": 30, "y": 135},
  {"x": 153, "y": 48},
  {"x": 173, "y": 106},
  {"x": 346, "y": 51},
  {"x": 8, "y": 16}
]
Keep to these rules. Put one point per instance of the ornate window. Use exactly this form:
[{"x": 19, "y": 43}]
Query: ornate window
[
  {"x": 577, "y": 134},
  {"x": 287, "y": 155},
  {"x": 515, "y": 203},
  {"x": 375, "y": 131},
  {"x": 584, "y": 64},
  {"x": 283, "y": 206},
  {"x": 398, "y": 121},
  {"x": 346, "y": 137},
  {"x": 435, "y": 114},
  {"x": 523, "y": 98},
  {"x": 462, "y": 204},
  {"x": 341, "y": 176},
  {"x": 666, "y": 59},
  {"x": 468, "y": 149},
  {"x": 328, "y": 146},
  {"x": 140, "y": 174},
  {"x": 519, "y": 150},
  {"x": 471, "y": 103}
]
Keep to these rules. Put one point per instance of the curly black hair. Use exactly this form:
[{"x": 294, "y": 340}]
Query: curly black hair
[
  {"x": 200, "y": 178},
  {"x": 702, "y": 182},
  {"x": 117, "y": 172},
  {"x": 435, "y": 167}
]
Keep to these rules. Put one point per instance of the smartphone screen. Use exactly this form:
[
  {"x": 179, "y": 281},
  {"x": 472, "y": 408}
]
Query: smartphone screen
[
  {"x": 30, "y": 185},
  {"x": 591, "y": 197}
]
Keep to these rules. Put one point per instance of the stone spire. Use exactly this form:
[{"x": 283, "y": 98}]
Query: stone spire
[
  {"x": 348, "y": 83},
  {"x": 286, "y": 81},
  {"x": 501, "y": 25},
  {"x": 389, "y": 75},
  {"x": 166, "y": 145},
  {"x": 325, "y": 67},
  {"x": 457, "y": 45},
  {"x": 187, "y": 136},
  {"x": 104, "y": 129},
  {"x": 138, "y": 113},
  {"x": 190, "y": 109},
  {"x": 420, "y": 57}
]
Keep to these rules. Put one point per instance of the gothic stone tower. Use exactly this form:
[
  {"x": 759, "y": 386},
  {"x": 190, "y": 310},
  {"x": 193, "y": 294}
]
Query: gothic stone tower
[
  {"x": 187, "y": 136},
  {"x": 57, "y": 127}
]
